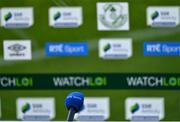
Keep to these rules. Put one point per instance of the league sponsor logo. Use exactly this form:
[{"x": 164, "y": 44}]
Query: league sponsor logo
[
  {"x": 67, "y": 49},
  {"x": 95, "y": 109},
  {"x": 144, "y": 109},
  {"x": 153, "y": 81},
  {"x": 14, "y": 82},
  {"x": 112, "y": 16},
  {"x": 35, "y": 109},
  {"x": 162, "y": 48},
  {"x": 115, "y": 48},
  {"x": 17, "y": 50},
  {"x": 80, "y": 81},
  {"x": 91, "y": 81},
  {"x": 21, "y": 17},
  {"x": 65, "y": 17},
  {"x": 163, "y": 16}
]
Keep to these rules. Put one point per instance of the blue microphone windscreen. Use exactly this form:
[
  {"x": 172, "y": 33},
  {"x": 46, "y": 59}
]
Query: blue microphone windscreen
[{"x": 75, "y": 100}]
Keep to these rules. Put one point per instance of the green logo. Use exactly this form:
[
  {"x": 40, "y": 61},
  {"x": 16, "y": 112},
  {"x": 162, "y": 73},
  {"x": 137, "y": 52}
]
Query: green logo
[
  {"x": 57, "y": 16},
  {"x": 26, "y": 107},
  {"x": 16, "y": 82},
  {"x": 107, "y": 47},
  {"x": 7, "y": 16},
  {"x": 172, "y": 82},
  {"x": 154, "y": 15},
  {"x": 113, "y": 17},
  {"x": 98, "y": 81},
  {"x": 24, "y": 82},
  {"x": 135, "y": 108}
]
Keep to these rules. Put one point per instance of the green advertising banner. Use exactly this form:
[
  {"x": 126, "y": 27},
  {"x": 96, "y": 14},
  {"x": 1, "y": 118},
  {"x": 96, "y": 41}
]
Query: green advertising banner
[{"x": 90, "y": 81}]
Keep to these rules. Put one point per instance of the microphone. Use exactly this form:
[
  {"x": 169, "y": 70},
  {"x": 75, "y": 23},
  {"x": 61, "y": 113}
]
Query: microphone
[{"x": 74, "y": 103}]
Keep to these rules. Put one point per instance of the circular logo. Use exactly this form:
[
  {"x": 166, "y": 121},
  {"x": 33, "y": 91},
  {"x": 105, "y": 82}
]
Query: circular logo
[{"x": 112, "y": 16}]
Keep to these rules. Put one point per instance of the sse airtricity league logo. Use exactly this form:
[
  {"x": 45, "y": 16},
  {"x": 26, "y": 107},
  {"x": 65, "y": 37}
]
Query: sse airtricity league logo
[
  {"x": 113, "y": 16},
  {"x": 25, "y": 108},
  {"x": 144, "y": 109},
  {"x": 65, "y": 17},
  {"x": 115, "y": 48},
  {"x": 18, "y": 17},
  {"x": 8, "y": 16},
  {"x": 57, "y": 16},
  {"x": 35, "y": 109},
  {"x": 135, "y": 108},
  {"x": 163, "y": 16}
]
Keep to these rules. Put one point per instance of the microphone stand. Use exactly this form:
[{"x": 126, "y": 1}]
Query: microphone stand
[{"x": 71, "y": 114}]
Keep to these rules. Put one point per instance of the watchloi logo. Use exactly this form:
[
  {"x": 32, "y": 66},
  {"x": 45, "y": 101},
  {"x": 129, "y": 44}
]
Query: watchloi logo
[
  {"x": 80, "y": 81},
  {"x": 152, "y": 81},
  {"x": 16, "y": 82}
]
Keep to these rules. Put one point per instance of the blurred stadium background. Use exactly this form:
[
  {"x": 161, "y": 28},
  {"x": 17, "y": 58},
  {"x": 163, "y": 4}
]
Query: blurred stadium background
[{"x": 41, "y": 32}]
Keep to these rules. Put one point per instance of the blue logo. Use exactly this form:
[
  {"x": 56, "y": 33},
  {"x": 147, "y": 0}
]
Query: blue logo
[
  {"x": 67, "y": 49},
  {"x": 162, "y": 48}
]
